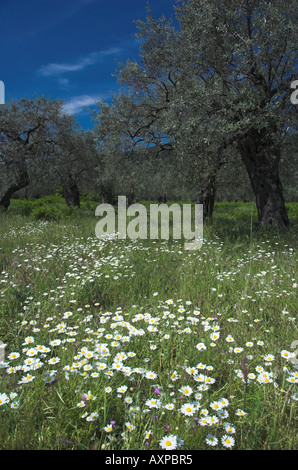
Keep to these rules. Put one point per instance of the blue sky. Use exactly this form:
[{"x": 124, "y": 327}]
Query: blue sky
[{"x": 68, "y": 48}]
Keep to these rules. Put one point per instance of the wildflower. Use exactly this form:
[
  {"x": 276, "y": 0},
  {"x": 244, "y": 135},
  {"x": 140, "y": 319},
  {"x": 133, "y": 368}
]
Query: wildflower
[
  {"x": 134, "y": 409},
  {"x": 109, "y": 373},
  {"x": 203, "y": 421},
  {"x": 92, "y": 417},
  {"x": 3, "y": 399},
  {"x": 169, "y": 406},
  {"x": 49, "y": 379},
  {"x": 15, "y": 405},
  {"x": 26, "y": 379},
  {"x": 55, "y": 342},
  {"x": 209, "y": 380},
  {"x": 54, "y": 360},
  {"x": 186, "y": 390},
  {"x": 82, "y": 404},
  {"x": 238, "y": 350},
  {"x": 211, "y": 440},
  {"x": 130, "y": 426},
  {"x": 150, "y": 375},
  {"x": 212, "y": 420},
  {"x": 13, "y": 355},
  {"x": 201, "y": 346},
  {"x": 223, "y": 401},
  {"x": 228, "y": 441},
  {"x": 29, "y": 340},
  {"x": 131, "y": 354},
  {"x": 188, "y": 409},
  {"x": 148, "y": 434},
  {"x": 180, "y": 442},
  {"x": 153, "y": 403},
  {"x": 264, "y": 377},
  {"x": 28, "y": 362},
  {"x": 214, "y": 336},
  {"x": 174, "y": 376},
  {"x": 191, "y": 370},
  {"x": 88, "y": 354},
  {"x": 216, "y": 405},
  {"x": 222, "y": 414},
  {"x": 285, "y": 354},
  {"x": 108, "y": 428},
  {"x": 240, "y": 412},
  {"x": 269, "y": 357},
  {"x": 67, "y": 314},
  {"x": 229, "y": 339},
  {"x": 229, "y": 428},
  {"x": 168, "y": 442},
  {"x": 89, "y": 396},
  {"x": 292, "y": 380},
  {"x": 251, "y": 376}
]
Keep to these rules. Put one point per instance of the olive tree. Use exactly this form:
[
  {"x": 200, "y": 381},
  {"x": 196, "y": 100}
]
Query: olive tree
[
  {"x": 27, "y": 131},
  {"x": 219, "y": 81}
]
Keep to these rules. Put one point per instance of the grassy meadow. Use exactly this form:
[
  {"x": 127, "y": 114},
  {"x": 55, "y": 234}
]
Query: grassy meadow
[{"x": 135, "y": 345}]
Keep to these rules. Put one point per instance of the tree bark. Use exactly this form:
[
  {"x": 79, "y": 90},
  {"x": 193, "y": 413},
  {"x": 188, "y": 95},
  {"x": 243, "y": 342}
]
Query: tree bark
[
  {"x": 107, "y": 194},
  {"x": 206, "y": 196},
  {"x": 261, "y": 160},
  {"x": 19, "y": 179},
  {"x": 71, "y": 194}
]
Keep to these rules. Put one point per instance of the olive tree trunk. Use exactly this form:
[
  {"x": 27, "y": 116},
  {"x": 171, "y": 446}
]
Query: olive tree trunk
[
  {"x": 71, "y": 193},
  {"x": 18, "y": 178},
  {"x": 206, "y": 196},
  {"x": 262, "y": 164}
]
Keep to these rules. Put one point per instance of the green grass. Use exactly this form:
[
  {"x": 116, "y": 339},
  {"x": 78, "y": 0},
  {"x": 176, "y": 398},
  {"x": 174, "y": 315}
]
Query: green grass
[{"x": 147, "y": 305}]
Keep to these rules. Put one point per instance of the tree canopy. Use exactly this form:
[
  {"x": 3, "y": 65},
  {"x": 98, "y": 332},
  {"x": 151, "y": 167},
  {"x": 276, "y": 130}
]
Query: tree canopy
[{"x": 208, "y": 100}]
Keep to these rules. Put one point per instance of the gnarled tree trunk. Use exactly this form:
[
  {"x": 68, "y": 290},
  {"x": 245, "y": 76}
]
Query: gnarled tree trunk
[
  {"x": 71, "y": 193},
  {"x": 18, "y": 178},
  {"x": 262, "y": 164},
  {"x": 206, "y": 196}
]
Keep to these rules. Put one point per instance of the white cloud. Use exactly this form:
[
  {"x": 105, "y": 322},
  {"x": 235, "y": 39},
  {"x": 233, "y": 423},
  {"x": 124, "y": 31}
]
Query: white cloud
[
  {"x": 90, "y": 59},
  {"x": 64, "y": 82},
  {"x": 77, "y": 103}
]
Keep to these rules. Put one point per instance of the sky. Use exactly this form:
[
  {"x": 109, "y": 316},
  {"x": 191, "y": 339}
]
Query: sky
[{"x": 69, "y": 49}]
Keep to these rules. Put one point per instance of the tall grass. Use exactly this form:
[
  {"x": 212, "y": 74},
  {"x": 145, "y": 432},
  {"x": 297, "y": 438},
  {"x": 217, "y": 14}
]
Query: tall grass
[{"x": 156, "y": 340}]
